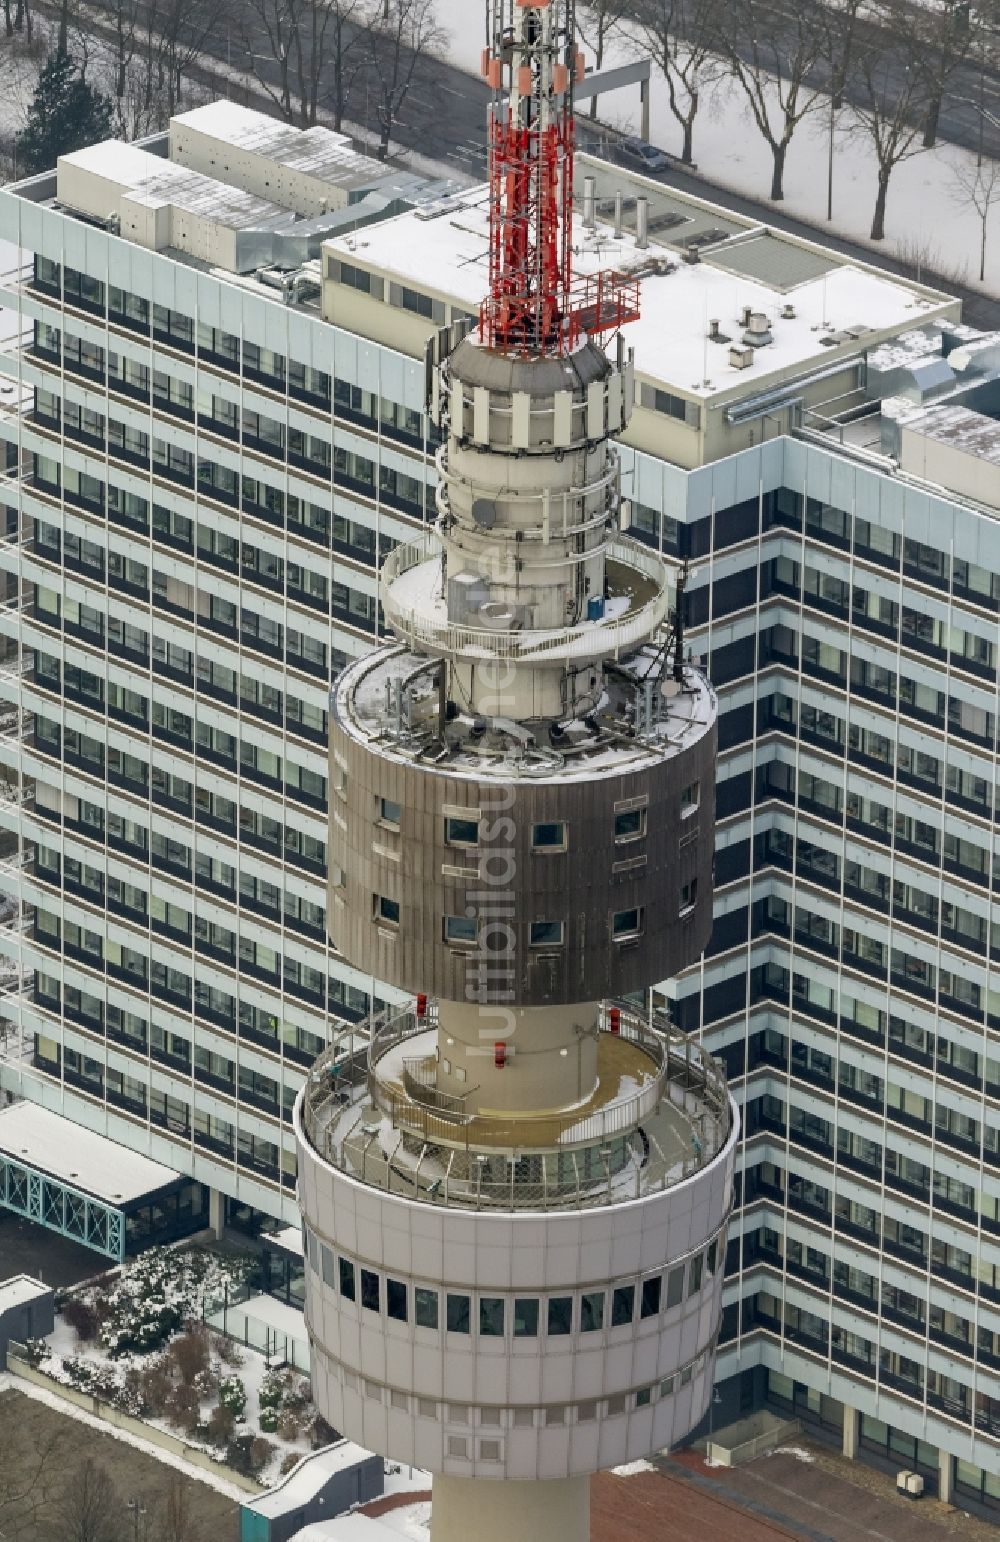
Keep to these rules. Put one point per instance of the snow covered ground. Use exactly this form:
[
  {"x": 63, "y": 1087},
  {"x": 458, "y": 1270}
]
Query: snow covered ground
[{"x": 927, "y": 216}]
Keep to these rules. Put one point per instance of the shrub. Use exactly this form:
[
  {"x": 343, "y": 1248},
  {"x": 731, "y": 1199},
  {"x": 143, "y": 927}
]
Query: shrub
[
  {"x": 290, "y": 1424},
  {"x": 190, "y": 1354},
  {"x": 272, "y": 1389},
  {"x": 182, "y": 1408},
  {"x": 288, "y": 1461},
  {"x": 321, "y": 1434},
  {"x": 269, "y": 1420},
  {"x": 227, "y": 1350},
  {"x": 261, "y": 1451},
  {"x": 157, "y": 1384},
  {"x": 233, "y": 1395},
  {"x": 206, "y": 1383},
  {"x": 220, "y": 1426},
  {"x": 82, "y": 1318},
  {"x": 238, "y": 1453}
]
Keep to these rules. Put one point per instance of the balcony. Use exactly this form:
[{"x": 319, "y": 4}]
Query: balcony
[{"x": 660, "y": 1114}]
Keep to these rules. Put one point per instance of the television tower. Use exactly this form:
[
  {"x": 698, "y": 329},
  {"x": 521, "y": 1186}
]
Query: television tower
[{"x": 516, "y": 1186}]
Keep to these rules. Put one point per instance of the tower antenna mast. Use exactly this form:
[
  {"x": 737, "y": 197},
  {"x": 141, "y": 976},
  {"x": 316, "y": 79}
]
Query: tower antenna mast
[{"x": 535, "y": 307}]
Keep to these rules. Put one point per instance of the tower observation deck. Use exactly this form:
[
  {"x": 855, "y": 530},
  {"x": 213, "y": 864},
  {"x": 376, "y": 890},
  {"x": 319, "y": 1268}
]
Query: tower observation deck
[{"x": 516, "y": 1186}]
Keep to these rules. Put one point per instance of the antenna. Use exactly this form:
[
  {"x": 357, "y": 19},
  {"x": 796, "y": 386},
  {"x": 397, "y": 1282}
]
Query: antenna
[{"x": 535, "y": 307}]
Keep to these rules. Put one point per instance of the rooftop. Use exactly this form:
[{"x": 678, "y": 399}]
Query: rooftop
[
  {"x": 315, "y": 152},
  {"x": 702, "y": 264},
  {"x": 77, "y": 1156},
  {"x": 310, "y": 1476},
  {"x": 19, "y": 1289}
]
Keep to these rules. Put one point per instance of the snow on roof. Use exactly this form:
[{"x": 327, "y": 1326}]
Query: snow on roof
[
  {"x": 308, "y": 1478},
  {"x": 77, "y": 1156},
  {"x": 348, "y": 1528},
  {"x": 289, "y": 1238},
  {"x": 19, "y": 1289},
  {"x": 678, "y": 302},
  {"x": 317, "y": 152},
  {"x": 150, "y": 180}
]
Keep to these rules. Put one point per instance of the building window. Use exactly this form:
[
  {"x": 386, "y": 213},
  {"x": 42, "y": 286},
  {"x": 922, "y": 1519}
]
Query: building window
[
  {"x": 622, "y": 1306},
  {"x": 547, "y": 934},
  {"x": 689, "y": 896},
  {"x": 389, "y": 813},
  {"x": 395, "y": 1299},
  {"x": 675, "y": 1285},
  {"x": 690, "y": 799},
  {"x": 370, "y": 1293},
  {"x": 525, "y": 1317},
  {"x": 460, "y": 930},
  {"x": 630, "y": 825},
  {"x": 425, "y": 1307},
  {"x": 694, "y": 1281},
  {"x": 592, "y": 1311},
  {"x": 461, "y": 832},
  {"x": 643, "y": 1397},
  {"x": 550, "y": 836},
  {"x": 650, "y": 1297},
  {"x": 347, "y": 1284},
  {"x": 491, "y": 1317},
  {"x": 560, "y": 1316},
  {"x": 626, "y": 924},
  {"x": 458, "y": 1314},
  {"x": 386, "y": 910}
]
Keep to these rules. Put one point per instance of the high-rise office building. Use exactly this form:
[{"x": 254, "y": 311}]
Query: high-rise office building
[
  {"x": 816, "y": 437},
  {"x": 515, "y": 1189}
]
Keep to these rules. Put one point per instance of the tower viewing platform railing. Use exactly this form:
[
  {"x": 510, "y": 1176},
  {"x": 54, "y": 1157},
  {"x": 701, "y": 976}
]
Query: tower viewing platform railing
[
  {"x": 417, "y": 610},
  {"x": 371, "y": 1110}
]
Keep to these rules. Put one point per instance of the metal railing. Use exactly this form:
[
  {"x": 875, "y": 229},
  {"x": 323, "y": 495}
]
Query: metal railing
[
  {"x": 441, "y": 1152},
  {"x": 610, "y": 635}
]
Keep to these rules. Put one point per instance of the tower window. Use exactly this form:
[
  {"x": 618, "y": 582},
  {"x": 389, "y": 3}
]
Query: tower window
[
  {"x": 491, "y": 1317},
  {"x": 425, "y": 1307},
  {"x": 370, "y": 1293},
  {"x": 389, "y": 813},
  {"x": 675, "y": 1285},
  {"x": 458, "y": 1314},
  {"x": 630, "y": 825},
  {"x": 592, "y": 1311},
  {"x": 347, "y": 1284},
  {"x": 395, "y": 1299},
  {"x": 460, "y": 929},
  {"x": 550, "y": 836},
  {"x": 690, "y": 798},
  {"x": 525, "y": 1317},
  {"x": 650, "y": 1297},
  {"x": 547, "y": 934},
  {"x": 622, "y": 1306},
  {"x": 461, "y": 832},
  {"x": 689, "y": 895},
  {"x": 626, "y": 924},
  {"x": 560, "y": 1316},
  {"x": 386, "y": 910}
]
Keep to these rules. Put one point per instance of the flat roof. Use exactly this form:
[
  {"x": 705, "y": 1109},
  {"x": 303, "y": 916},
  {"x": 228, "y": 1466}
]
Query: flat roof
[
  {"x": 151, "y": 180},
  {"x": 19, "y": 1289},
  {"x": 79, "y": 1157},
  {"x": 316, "y": 152},
  {"x": 822, "y": 296},
  {"x": 308, "y": 1478}
]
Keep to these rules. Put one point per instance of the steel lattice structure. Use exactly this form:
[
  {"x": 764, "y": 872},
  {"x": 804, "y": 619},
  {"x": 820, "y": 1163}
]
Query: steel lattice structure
[{"x": 535, "y": 306}]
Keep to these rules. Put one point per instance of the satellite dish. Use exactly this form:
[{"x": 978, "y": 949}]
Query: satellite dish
[{"x": 484, "y": 512}]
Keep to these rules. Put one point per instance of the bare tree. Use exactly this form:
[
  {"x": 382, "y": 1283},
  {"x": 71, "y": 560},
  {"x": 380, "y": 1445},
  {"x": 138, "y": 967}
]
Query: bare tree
[
  {"x": 682, "y": 37},
  {"x": 596, "y": 21},
  {"x": 268, "y": 36},
  {"x": 409, "y": 30},
  {"x": 176, "y": 1522},
  {"x": 91, "y": 1509},
  {"x": 947, "y": 36},
  {"x": 329, "y": 42},
  {"x": 773, "y": 56},
  {"x": 978, "y": 183},
  {"x": 889, "y": 98},
  {"x": 31, "y": 1474},
  {"x": 181, "y": 32}
]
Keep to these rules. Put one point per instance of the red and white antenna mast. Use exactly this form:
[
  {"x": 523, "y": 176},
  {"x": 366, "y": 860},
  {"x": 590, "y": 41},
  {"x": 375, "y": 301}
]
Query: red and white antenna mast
[{"x": 535, "y": 307}]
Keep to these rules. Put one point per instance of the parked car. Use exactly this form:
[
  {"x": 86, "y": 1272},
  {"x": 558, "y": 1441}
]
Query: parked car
[{"x": 647, "y": 157}]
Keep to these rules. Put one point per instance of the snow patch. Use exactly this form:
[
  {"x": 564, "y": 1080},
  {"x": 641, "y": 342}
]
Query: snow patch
[
  {"x": 632, "y": 1469},
  {"x": 799, "y": 1452}
]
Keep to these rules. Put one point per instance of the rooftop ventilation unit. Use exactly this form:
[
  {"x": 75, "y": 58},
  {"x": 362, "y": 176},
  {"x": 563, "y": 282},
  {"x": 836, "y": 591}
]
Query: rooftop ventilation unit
[
  {"x": 740, "y": 358},
  {"x": 757, "y": 329}
]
